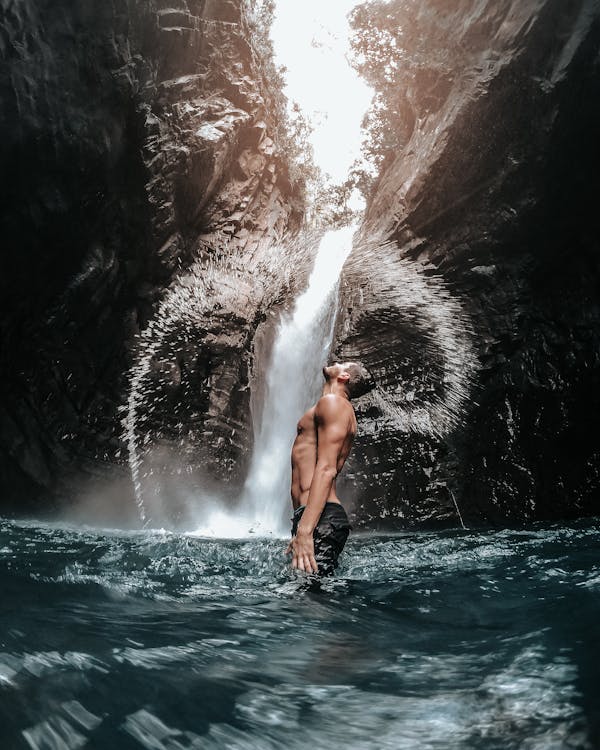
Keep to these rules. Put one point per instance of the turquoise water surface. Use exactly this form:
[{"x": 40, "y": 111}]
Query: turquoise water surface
[{"x": 449, "y": 639}]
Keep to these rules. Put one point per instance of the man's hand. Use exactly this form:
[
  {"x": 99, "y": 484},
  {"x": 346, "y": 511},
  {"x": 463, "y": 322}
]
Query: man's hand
[{"x": 302, "y": 548}]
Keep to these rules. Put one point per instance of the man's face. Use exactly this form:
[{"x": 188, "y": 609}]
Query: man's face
[{"x": 329, "y": 371}]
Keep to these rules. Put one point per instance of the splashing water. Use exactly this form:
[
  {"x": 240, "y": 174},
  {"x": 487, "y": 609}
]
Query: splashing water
[
  {"x": 300, "y": 349},
  {"x": 293, "y": 381},
  {"x": 181, "y": 320},
  {"x": 426, "y": 387},
  {"x": 398, "y": 289},
  {"x": 292, "y": 376}
]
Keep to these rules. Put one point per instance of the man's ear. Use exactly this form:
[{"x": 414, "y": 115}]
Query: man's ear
[{"x": 344, "y": 377}]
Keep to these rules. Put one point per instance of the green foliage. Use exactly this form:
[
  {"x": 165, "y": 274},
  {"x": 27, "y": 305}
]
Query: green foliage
[
  {"x": 405, "y": 50},
  {"x": 330, "y": 204}
]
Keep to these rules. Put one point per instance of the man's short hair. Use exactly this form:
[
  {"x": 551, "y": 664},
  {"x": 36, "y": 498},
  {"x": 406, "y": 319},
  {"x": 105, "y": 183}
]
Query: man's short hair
[{"x": 360, "y": 382}]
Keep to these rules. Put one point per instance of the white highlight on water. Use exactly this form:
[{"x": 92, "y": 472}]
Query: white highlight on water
[{"x": 293, "y": 383}]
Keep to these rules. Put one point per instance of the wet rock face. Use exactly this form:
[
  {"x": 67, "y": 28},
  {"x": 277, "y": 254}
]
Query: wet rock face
[
  {"x": 136, "y": 138},
  {"x": 495, "y": 194}
]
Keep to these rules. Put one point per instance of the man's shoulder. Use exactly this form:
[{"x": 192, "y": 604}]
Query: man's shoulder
[{"x": 331, "y": 404}]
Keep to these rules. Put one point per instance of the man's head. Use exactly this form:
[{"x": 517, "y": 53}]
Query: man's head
[{"x": 355, "y": 377}]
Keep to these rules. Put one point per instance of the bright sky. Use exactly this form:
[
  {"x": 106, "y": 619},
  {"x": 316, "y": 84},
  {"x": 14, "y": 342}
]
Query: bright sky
[{"x": 311, "y": 39}]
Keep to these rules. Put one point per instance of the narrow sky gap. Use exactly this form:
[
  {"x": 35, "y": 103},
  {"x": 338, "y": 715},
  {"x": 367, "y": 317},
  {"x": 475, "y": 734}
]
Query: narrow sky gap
[{"x": 311, "y": 39}]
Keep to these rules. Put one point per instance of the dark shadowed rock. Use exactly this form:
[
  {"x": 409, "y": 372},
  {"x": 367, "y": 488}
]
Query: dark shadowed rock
[{"x": 136, "y": 141}]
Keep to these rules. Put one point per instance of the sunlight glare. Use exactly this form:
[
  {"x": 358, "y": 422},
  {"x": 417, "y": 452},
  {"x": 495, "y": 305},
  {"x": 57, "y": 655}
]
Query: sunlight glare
[{"x": 311, "y": 39}]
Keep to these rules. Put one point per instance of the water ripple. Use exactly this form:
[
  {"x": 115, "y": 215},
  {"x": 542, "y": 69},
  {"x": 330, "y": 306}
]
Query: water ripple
[{"x": 430, "y": 640}]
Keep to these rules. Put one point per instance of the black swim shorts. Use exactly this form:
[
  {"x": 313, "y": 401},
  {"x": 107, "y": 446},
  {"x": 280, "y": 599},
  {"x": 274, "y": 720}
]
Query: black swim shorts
[{"x": 330, "y": 535}]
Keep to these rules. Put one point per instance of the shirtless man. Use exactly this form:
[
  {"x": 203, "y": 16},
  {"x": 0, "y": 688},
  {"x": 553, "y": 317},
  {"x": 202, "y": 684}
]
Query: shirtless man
[{"x": 325, "y": 434}]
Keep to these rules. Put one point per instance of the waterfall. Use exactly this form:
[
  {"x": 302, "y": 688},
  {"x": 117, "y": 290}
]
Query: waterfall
[
  {"x": 180, "y": 321},
  {"x": 293, "y": 383}
]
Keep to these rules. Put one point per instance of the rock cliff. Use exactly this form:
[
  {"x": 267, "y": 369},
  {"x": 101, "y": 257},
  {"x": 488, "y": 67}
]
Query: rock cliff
[
  {"x": 137, "y": 141},
  {"x": 143, "y": 191},
  {"x": 493, "y": 196}
]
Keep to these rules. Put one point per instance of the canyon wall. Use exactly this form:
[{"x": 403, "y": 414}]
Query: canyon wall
[
  {"x": 140, "y": 164},
  {"x": 137, "y": 140},
  {"x": 494, "y": 195}
]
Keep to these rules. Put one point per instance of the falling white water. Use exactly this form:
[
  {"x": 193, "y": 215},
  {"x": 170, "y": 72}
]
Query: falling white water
[{"x": 293, "y": 383}]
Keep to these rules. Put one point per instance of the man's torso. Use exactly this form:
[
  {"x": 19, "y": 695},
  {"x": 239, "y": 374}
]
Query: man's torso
[{"x": 304, "y": 454}]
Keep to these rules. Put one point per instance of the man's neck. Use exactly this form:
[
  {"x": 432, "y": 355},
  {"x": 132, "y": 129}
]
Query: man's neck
[{"x": 336, "y": 388}]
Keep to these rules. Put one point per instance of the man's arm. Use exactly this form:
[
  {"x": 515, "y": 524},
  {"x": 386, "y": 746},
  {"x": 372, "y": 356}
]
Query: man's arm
[
  {"x": 295, "y": 488},
  {"x": 332, "y": 430}
]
